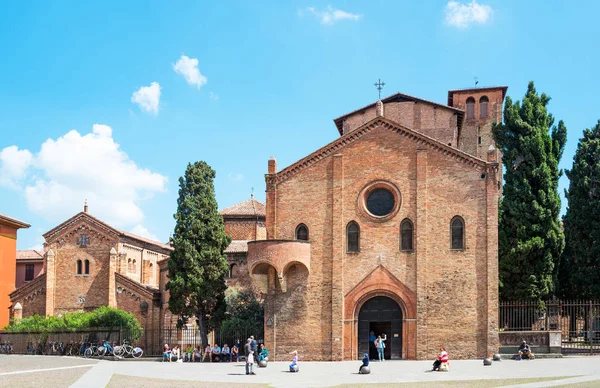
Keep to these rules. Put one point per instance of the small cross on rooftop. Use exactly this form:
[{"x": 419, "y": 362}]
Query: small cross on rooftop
[{"x": 379, "y": 85}]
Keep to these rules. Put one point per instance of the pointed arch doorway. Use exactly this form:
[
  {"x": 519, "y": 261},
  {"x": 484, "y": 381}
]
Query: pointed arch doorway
[{"x": 378, "y": 316}]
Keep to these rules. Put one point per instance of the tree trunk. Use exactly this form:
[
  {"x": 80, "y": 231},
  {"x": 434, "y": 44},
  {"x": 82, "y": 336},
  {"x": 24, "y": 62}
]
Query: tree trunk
[{"x": 203, "y": 328}]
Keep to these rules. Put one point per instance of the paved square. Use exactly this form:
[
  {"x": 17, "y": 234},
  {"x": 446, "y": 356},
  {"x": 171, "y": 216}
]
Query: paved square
[{"x": 42, "y": 371}]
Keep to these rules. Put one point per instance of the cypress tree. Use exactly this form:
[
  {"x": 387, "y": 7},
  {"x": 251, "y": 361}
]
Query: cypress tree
[
  {"x": 580, "y": 269},
  {"x": 530, "y": 235},
  {"x": 198, "y": 266}
]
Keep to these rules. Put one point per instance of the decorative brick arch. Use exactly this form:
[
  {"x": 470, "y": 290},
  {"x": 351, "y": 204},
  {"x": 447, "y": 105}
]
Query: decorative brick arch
[{"x": 380, "y": 282}]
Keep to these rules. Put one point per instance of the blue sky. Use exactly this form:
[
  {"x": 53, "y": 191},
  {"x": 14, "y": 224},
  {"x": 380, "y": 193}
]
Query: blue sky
[{"x": 258, "y": 79}]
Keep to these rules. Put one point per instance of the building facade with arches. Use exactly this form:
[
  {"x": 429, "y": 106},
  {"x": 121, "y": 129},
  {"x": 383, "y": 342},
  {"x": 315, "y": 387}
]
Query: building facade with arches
[{"x": 390, "y": 229}]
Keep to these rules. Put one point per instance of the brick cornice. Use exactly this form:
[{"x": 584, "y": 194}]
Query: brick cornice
[
  {"x": 39, "y": 282},
  {"x": 340, "y": 143},
  {"x": 137, "y": 287}
]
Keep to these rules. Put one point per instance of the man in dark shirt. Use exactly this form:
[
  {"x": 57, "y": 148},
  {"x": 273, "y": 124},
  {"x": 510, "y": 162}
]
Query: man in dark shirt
[
  {"x": 524, "y": 351},
  {"x": 254, "y": 345}
]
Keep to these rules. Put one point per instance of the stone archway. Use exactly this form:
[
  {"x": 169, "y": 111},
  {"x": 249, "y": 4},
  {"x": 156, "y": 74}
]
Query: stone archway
[
  {"x": 380, "y": 316},
  {"x": 380, "y": 283}
]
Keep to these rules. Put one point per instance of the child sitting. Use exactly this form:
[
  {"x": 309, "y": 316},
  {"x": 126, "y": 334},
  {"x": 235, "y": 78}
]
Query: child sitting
[
  {"x": 166, "y": 353},
  {"x": 365, "y": 361},
  {"x": 294, "y": 361}
]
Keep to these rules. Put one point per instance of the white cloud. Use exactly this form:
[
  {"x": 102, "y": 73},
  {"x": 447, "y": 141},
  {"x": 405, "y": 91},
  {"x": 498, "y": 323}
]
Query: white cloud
[
  {"x": 462, "y": 15},
  {"x": 148, "y": 97},
  {"x": 213, "y": 96},
  {"x": 92, "y": 166},
  {"x": 330, "y": 15},
  {"x": 13, "y": 165},
  {"x": 188, "y": 68},
  {"x": 142, "y": 231},
  {"x": 235, "y": 176}
]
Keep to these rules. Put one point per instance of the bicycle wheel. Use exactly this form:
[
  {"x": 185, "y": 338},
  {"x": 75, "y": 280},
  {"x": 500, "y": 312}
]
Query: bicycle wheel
[
  {"x": 119, "y": 351},
  {"x": 137, "y": 352},
  {"x": 88, "y": 353}
]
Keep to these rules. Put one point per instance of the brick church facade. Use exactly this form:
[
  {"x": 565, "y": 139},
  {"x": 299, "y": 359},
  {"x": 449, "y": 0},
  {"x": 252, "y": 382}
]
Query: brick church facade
[{"x": 391, "y": 229}]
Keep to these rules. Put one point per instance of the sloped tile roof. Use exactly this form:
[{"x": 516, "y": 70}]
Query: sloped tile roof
[
  {"x": 237, "y": 246},
  {"x": 13, "y": 221},
  {"x": 251, "y": 207},
  {"x": 30, "y": 254}
]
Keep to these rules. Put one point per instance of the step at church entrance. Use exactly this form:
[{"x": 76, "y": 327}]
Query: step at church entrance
[{"x": 378, "y": 316}]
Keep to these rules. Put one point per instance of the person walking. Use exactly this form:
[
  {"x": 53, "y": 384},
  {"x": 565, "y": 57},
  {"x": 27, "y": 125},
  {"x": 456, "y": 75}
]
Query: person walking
[
  {"x": 247, "y": 353},
  {"x": 380, "y": 345}
]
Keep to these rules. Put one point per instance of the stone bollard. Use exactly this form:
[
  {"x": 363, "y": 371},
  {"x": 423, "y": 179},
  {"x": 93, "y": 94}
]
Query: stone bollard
[
  {"x": 487, "y": 361},
  {"x": 294, "y": 368},
  {"x": 365, "y": 370},
  {"x": 497, "y": 357},
  {"x": 262, "y": 364}
]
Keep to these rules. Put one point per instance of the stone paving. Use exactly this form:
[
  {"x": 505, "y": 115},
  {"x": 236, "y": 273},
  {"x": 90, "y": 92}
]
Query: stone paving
[{"x": 568, "y": 371}]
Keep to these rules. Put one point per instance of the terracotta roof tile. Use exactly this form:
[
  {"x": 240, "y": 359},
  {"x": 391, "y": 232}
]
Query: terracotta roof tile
[
  {"x": 237, "y": 246},
  {"x": 30, "y": 254},
  {"x": 250, "y": 207}
]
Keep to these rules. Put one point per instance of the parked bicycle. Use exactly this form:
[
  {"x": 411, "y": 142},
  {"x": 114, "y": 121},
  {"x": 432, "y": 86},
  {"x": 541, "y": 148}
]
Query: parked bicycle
[
  {"x": 127, "y": 350},
  {"x": 6, "y": 347}
]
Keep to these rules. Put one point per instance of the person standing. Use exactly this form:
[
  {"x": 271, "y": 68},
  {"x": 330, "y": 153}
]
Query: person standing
[
  {"x": 380, "y": 345},
  {"x": 247, "y": 352},
  {"x": 254, "y": 345}
]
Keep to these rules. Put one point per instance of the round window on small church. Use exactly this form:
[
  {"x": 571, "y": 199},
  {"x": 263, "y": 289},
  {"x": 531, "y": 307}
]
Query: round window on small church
[{"x": 380, "y": 202}]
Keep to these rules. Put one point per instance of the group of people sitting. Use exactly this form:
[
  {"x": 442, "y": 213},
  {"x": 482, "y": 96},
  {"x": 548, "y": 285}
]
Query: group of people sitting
[{"x": 210, "y": 354}]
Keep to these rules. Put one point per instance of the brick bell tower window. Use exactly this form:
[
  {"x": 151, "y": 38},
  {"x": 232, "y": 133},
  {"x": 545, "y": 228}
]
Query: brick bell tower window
[
  {"x": 470, "y": 108},
  {"x": 483, "y": 107},
  {"x": 380, "y": 202}
]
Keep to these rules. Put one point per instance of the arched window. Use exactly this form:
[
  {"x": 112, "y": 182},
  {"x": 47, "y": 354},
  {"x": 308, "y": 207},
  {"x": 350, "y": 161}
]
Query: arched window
[
  {"x": 353, "y": 237},
  {"x": 483, "y": 107},
  {"x": 470, "y": 108},
  {"x": 79, "y": 267},
  {"x": 129, "y": 265},
  {"x": 406, "y": 235},
  {"x": 457, "y": 233},
  {"x": 302, "y": 232},
  {"x": 87, "y": 267},
  {"x": 231, "y": 271},
  {"x": 133, "y": 266}
]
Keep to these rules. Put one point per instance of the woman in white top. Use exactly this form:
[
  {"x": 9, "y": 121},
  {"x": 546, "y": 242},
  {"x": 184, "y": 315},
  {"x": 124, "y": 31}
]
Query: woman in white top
[{"x": 380, "y": 345}]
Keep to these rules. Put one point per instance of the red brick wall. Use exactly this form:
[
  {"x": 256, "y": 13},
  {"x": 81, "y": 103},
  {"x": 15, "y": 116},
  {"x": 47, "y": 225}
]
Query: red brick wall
[{"x": 452, "y": 280}]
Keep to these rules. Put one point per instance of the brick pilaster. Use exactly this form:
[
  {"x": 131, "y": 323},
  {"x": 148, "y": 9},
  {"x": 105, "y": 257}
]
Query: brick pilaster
[
  {"x": 492, "y": 192},
  {"x": 112, "y": 295},
  {"x": 50, "y": 281},
  {"x": 421, "y": 240},
  {"x": 337, "y": 262}
]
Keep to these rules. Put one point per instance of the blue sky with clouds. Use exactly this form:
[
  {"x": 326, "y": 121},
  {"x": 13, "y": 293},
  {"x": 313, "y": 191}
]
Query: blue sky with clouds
[{"x": 110, "y": 100}]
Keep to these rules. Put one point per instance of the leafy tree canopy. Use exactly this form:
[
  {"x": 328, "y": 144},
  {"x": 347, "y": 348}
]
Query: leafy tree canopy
[
  {"x": 579, "y": 274},
  {"x": 530, "y": 235},
  {"x": 198, "y": 266}
]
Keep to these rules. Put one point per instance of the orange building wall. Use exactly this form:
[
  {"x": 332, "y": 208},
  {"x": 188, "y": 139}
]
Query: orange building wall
[{"x": 8, "y": 263}]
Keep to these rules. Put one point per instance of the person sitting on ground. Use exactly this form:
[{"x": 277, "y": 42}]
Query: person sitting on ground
[
  {"x": 294, "y": 359},
  {"x": 175, "y": 353},
  {"x": 442, "y": 358},
  {"x": 365, "y": 362},
  {"x": 524, "y": 351},
  {"x": 226, "y": 353},
  {"x": 166, "y": 353},
  {"x": 207, "y": 354},
  {"x": 196, "y": 355},
  {"x": 216, "y": 352},
  {"x": 263, "y": 353},
  {"x": 235, "y": 353}
]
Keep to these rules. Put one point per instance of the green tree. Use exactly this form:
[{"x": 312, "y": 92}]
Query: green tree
[
  {"x": 197, "y": 267},
  {"x": 245, "y": 312},
  {"x": 579, "y": 273},
  {"x": 531, "y": 240}
]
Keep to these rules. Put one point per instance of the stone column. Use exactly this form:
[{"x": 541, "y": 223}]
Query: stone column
[
  {"x": 271, "y": 197},
  {"x": 492, "y": 195},
  {"x": 50, "y": 281},
  {"x": 337, "y": 260},
  {"x": 421, "y": 268},
  {"x": 112, "y": 269}
]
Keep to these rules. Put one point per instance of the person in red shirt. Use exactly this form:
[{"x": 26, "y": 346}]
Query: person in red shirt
[{"x": 442, "y": 358}]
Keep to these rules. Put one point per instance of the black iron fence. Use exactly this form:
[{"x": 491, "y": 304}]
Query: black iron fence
[{"x": 577, "y": 320}]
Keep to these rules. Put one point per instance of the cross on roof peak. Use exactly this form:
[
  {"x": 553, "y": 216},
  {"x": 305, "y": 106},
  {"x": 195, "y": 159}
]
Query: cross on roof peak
[{"x": 379, "y": 85}]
